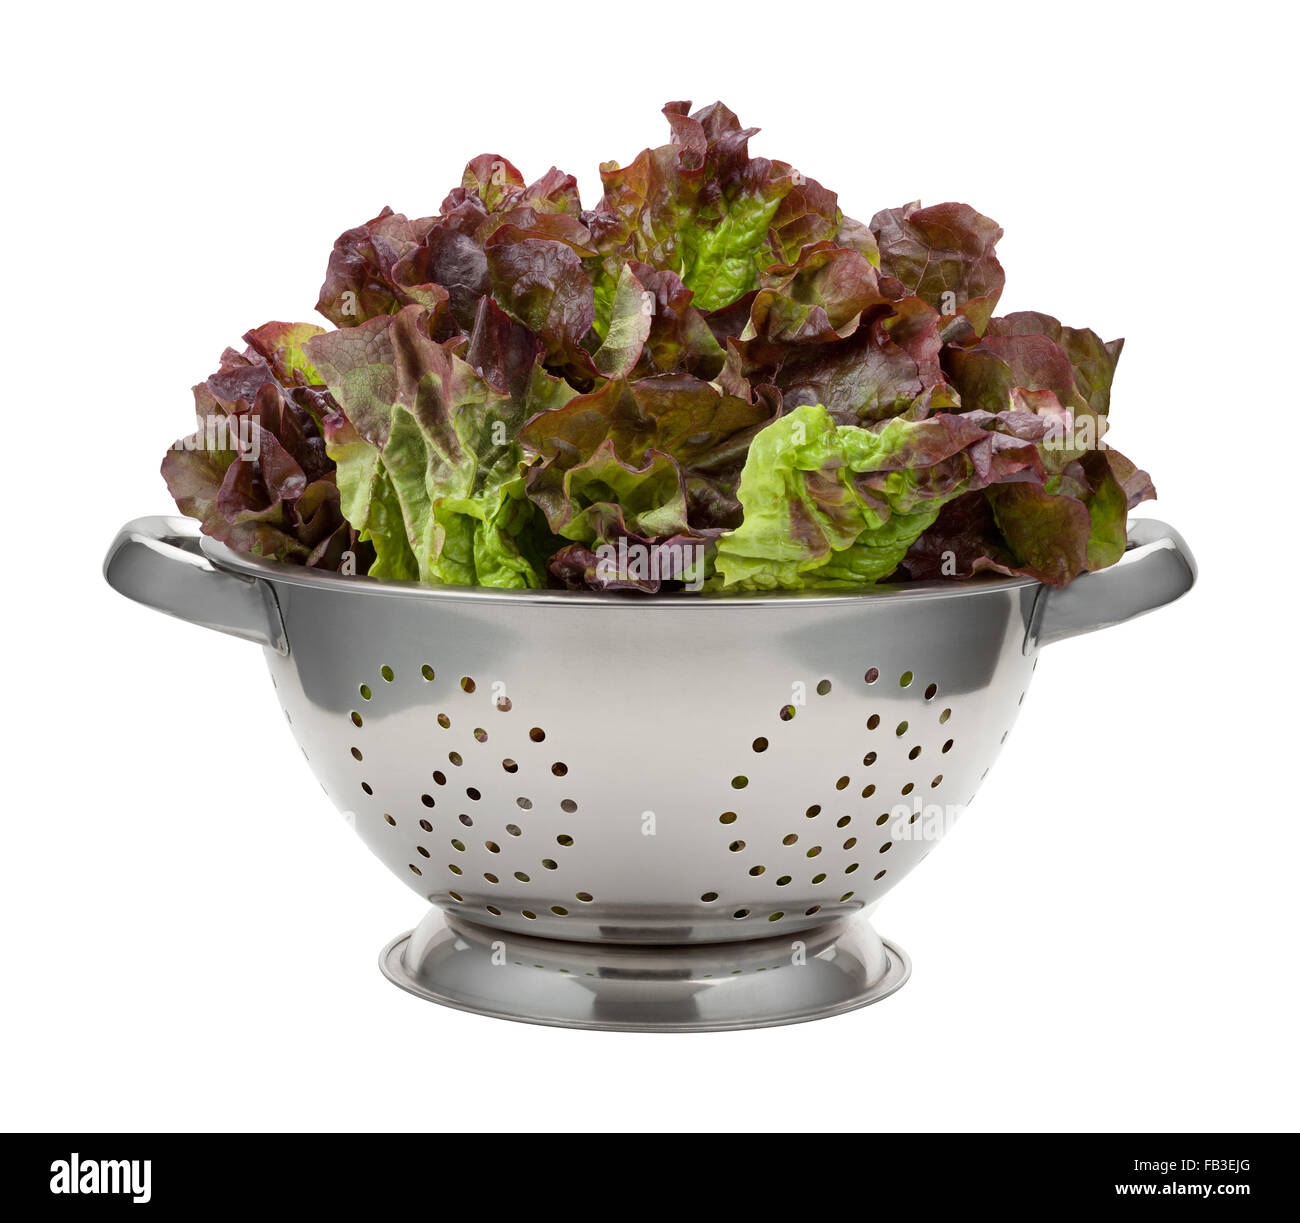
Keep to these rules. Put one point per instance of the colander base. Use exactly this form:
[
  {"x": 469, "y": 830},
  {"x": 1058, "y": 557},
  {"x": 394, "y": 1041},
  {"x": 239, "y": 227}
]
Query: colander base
[{"x": 698, "y": 988}]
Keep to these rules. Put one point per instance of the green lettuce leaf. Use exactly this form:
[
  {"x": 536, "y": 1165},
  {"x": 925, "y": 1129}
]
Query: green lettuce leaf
[
  {"x": 433, "y": 448},
  {"x": 628, "y": 328},
  {"x": 700, "y": 206},
  {"x": 833, "y": 505}
]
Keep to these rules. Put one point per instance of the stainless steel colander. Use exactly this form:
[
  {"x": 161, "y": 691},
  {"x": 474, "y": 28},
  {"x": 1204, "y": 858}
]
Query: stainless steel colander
[{"x": 667, "y": 813}]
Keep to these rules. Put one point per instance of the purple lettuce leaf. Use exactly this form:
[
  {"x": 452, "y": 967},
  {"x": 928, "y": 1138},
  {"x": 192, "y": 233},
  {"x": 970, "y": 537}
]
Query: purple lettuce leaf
[
  {"x": 680, "y": 337},
  {"x": 538, "y": 278},
  {"x": 255, "y": 473},
  {"x": 943, "y": 254}
]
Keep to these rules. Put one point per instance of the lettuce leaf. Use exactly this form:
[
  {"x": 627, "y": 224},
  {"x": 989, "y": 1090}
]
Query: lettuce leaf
[
  {"x": 836, "y": 505},
  {"x": 429, "y": 457},
  {"x": 699, "y": 206},
  {"x": 255, "y": 473}
]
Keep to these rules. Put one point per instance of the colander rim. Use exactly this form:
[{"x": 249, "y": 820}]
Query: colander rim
[{"x": 283, "y": 574}]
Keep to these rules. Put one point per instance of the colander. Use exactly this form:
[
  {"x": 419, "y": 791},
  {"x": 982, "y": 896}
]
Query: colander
[{"x": 671, "y": 813}]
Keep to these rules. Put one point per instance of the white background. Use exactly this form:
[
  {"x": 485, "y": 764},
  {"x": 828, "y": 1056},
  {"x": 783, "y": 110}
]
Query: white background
[{"x": 1107, "y": 941}]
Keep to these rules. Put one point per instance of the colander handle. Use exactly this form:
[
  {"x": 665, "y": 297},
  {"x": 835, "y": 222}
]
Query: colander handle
[
  {"x": 156, "y": 561},
  {"x": 1157, "y": 569}
]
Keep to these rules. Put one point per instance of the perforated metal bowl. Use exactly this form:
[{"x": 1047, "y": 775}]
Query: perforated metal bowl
[{"x": 640, "y": 812}]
